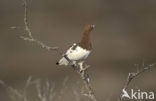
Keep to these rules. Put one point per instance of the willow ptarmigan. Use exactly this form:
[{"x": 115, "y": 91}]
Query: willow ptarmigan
[{"x": 79, "y": 52}]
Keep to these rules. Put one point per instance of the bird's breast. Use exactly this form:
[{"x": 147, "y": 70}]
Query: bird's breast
[{"x": 78, "y": 53}]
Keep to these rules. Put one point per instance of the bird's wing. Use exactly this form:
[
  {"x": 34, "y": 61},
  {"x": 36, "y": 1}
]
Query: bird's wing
[
  {"x": 77, "y": 53},
  {"x": 63, "y": 60}
]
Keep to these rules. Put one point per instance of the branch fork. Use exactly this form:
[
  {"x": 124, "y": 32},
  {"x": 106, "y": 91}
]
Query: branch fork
[{"x": 133, "y": 75}]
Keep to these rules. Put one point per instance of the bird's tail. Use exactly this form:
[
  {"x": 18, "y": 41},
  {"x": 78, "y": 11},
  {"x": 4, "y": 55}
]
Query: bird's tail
[{"x": 62, "y": 61}]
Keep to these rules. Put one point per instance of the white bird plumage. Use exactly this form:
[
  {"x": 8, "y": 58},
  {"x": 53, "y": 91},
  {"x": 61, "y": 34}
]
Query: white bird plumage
[{"x": 78, "y": 55}]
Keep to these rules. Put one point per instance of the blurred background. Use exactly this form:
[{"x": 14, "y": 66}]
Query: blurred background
[{"x": 125, "y": 35}]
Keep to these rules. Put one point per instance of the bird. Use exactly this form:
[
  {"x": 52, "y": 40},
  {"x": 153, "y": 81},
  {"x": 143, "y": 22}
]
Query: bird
[{"x": 79, "y": 51}]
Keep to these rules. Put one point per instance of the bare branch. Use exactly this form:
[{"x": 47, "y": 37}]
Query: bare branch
[
  {"x": 86, "y": 79},
  {"x": 133, "y": 75},
  {"x": 30, "y": 36}
]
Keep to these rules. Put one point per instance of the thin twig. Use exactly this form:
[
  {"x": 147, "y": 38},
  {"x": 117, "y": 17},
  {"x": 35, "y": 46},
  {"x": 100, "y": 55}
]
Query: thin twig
[
  {"x": 133, "y": 75},
  {"x": 30, "y": 36}
]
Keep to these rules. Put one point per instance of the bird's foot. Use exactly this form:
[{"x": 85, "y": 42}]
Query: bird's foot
[{"x": 84, "y": 68}]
